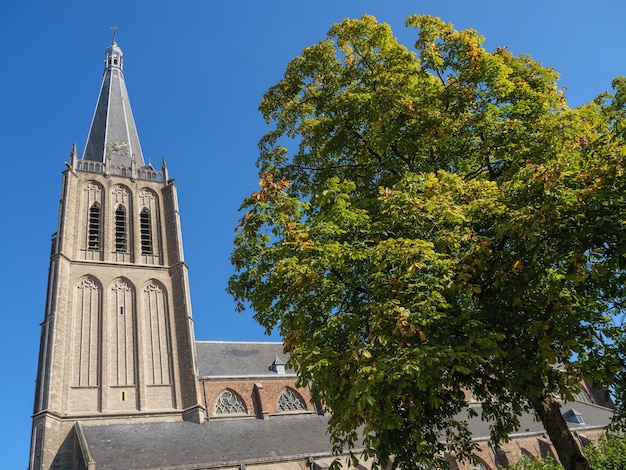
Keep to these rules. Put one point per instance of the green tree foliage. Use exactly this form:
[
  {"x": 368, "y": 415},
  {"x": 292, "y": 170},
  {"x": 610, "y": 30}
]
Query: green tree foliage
[
  {"x": 443, "y": 222},
  {"x": 529, "y": 463},
  {"x": 608, "y": 453}
]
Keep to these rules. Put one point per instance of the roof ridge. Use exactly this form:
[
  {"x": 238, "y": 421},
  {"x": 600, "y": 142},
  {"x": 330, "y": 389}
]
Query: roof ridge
[{"x": 238, "y": 342}]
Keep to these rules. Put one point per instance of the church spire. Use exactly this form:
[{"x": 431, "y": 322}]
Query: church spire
[{"x": 113, "y": 138}]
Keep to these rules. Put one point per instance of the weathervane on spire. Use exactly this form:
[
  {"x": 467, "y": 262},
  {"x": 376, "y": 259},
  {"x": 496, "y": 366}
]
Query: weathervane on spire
[{"x": 114, "y": 28}]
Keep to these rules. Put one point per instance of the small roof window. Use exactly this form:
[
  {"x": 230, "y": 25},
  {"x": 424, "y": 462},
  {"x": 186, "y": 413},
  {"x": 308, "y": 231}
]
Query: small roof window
[
  {"x": 573, "y": 416},
  {"x": 278, "y": 366}
]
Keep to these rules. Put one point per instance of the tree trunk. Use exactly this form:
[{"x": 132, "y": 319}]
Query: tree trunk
[{"x": 566, "y": 446}]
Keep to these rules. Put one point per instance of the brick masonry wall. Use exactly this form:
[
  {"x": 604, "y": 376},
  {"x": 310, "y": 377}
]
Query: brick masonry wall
[
  {"x": 510, "y": 452},
  {"x": 259, "y": 395}
]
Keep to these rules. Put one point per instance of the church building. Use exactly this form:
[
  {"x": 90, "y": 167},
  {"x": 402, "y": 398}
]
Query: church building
[{"x": 122, "y": 382}]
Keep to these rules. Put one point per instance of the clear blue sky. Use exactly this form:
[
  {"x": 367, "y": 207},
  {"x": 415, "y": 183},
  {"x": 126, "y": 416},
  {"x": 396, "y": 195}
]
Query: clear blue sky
[{"x": 196, "y": 71}]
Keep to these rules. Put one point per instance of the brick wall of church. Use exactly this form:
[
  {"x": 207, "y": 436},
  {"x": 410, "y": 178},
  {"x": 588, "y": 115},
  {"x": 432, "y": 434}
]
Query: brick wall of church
[
  {"x": 519, "y": 447},
  {"x": 260, "y": 396}
]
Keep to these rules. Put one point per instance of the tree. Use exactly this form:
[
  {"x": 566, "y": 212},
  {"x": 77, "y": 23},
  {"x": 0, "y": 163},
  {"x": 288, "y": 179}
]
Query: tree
[
  {"x": 535, "y": 464},
  {"x": 609, "y": 453},
  {"x": 445, "y": 224}
]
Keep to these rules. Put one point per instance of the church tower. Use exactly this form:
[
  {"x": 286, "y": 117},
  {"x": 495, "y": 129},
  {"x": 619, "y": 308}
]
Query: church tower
[{"x": 117, "y": 340}]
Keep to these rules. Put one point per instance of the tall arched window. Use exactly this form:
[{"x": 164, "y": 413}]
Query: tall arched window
[
  {"x": 290, "y": 401},
  {"x": 93, "y": 234},
  {"x": 86, "y": 334},
  {"x": 582, "y": 396},
  {"x": 120, "y": 230},
  {"x": 477, "y": 465},
  {"x": 145, "y": 227},
  {"x": 122, "y": 339},
  {"x": 155, "y": 317}
]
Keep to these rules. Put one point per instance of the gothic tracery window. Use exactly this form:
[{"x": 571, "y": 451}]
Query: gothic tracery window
[
  {"x": 229, "y": 403},
  {"x": 477, "y": 466},
  {"x": 290, "y": 401},
  {"x": 582, "y": 396}
]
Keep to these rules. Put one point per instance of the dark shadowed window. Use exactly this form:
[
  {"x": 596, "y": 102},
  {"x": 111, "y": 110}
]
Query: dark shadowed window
[
  {"x": 120, "y": 230},
  {"x": 93, "y": 235},
  {"x": 145, "y": 228}
]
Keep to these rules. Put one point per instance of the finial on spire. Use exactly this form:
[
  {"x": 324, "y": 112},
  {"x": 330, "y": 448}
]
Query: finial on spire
[{"x": 114, "y": 28}]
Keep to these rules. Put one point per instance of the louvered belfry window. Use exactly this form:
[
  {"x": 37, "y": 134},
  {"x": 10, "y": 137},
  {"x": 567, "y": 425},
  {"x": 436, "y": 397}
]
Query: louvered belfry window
[
  {"x": 93, "y": 235},
  {"x": 145, "y": 227},
  {"x": 120, "y": 230}
]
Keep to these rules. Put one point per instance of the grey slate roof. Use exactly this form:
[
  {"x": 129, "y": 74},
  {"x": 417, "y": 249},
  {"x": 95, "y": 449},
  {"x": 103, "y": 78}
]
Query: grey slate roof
[
  {"x": 113, "y": 128},
  {"x": 238, "y": 359},
  {"x": 228, "y": 442},
  {"x": 211, "y": 444},
  {"x": 594, "y": 417}
]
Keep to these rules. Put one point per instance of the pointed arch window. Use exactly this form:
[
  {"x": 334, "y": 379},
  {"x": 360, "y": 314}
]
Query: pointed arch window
[
  {"x": 121, "y": 236},
  {"x": 229, "y": 403},
  {"x": 155, "y": 314},
  {"x": 290, "y": 401},
  {"x": 477, "y": 465},
  {"x": 582, "y": 396},
  {"x": 122, "y": 341},
  {"x": 86, "y": 330},
  {"x": 526, "y": 456},
  {"x": 145, "y": 227},
  {"x": 93, "y": 235}
]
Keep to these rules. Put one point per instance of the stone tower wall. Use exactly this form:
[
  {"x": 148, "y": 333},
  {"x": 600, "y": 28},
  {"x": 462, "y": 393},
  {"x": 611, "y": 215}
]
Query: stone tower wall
[{"x": 117, "y": 337}]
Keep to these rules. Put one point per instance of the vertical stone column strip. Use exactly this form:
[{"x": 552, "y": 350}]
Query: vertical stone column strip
[{"x": 260, "y": 395}]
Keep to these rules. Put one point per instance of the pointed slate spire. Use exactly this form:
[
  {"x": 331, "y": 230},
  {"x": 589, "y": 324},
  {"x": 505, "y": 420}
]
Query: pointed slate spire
[{"x": 113, "y": 135}]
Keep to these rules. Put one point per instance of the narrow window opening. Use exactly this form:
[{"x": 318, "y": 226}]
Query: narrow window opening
[
  {"x": 121, "y": 310},
  {"x": 93, "y": 236},
  {"x": 120, "y": 229},
  {"x": 123, "y": 396},
  {"x": 146, "y": 232}
]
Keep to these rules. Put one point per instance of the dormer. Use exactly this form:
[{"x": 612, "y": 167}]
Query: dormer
[
  {"x": 573, "y": 416},
  {"x": 278, "y": 366}
]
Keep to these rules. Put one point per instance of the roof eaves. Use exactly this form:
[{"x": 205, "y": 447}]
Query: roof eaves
[{"x": 249, "y": 376}]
